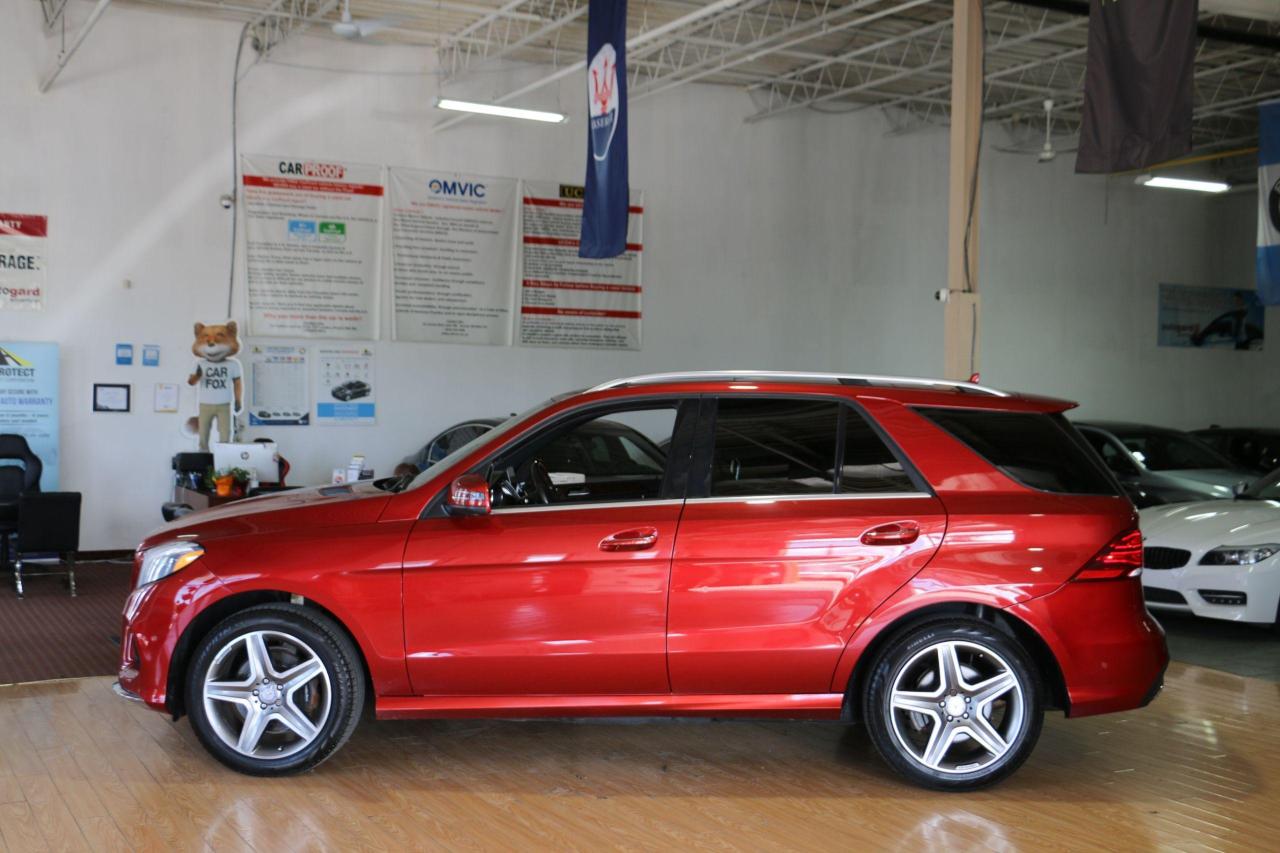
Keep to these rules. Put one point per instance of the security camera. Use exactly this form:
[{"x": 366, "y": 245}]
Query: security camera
[
  {"x": 942, "y": 295},
  {"x": 226, "y": 200}
]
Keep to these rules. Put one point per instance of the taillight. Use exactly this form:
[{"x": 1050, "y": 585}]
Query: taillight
[{"x": 1121, "y": 558}]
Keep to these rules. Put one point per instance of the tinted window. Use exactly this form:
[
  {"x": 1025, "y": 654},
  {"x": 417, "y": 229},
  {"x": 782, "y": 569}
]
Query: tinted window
[
  {"x": 609, "y": 458},
  {"x": 869, "y": 466},
  {"x": 1114, "y": 456},
  {"x": 1040, "y": 451},
  {"x": 1166, "y": 450},
  {"x": 774, "y": 447}
]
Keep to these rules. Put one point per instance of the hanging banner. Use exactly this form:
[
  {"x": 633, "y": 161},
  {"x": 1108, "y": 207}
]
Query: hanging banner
[
  {"x": 345, "y": 386},
  {"x": 1139, "y": 75},
  {"x": 1209, "y": 317},
  {"x": 607, "y": 198},
  {"x": 1269, "y": 203},
  {"x": 313, "y": 234},
  {"x": 453, "y": 256},
  {"x": 29, "y": 401},
  {"x": 22, "y": 261},
  {"x": 573, "y": 302},
  {"x": 278, "y": 383}
]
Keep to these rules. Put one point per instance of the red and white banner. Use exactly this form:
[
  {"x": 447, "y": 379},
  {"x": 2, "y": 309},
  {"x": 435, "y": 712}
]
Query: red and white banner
[
  {"x": 22, "y": 261},
  {"x": 573, "y": 302},
  {"x": 313, "y": 247}
]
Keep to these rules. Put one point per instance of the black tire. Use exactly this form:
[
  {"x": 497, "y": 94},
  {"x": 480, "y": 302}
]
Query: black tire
[
  {"x": 344, "y": 690},
  {"x": 891, "y": 734}
]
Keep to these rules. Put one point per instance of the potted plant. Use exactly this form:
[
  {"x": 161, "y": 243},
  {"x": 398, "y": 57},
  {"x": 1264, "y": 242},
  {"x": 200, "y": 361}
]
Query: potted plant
[{"x": 231, "y": 482}]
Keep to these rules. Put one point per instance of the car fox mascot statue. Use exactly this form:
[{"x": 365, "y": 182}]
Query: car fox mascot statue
[{"x": 217, "y": 378}]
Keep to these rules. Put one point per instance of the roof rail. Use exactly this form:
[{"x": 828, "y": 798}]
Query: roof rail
[{"x": 786, "y": 376}]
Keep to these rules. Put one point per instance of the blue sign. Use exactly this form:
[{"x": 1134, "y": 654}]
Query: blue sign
[
  {"x": 124, "y": 353},
  {"x": 606, "y": 201},
  {"x": 1269, "y": 203},
  {"x": 151, "y": 355},
  {"x": 302, "y": 229},
  {"x": 29, "y": 401}
]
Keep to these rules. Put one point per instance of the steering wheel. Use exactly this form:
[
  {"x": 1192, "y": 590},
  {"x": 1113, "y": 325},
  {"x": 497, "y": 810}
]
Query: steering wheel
[
  {"x": 508, "y": 490},
  {"x": 540, "y": 486}
]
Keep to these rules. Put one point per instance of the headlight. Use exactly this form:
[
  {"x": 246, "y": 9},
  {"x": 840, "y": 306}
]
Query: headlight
[
  {"x": 163, "y": 560},
  {"x": 1243, "y": 555}
]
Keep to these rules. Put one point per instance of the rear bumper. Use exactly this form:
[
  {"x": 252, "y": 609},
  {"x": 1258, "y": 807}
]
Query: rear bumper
[{"x": 1110, "y": 650}]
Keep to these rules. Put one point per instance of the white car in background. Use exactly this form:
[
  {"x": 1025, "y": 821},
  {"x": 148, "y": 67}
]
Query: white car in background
[{"x": 1219, "y": 559}]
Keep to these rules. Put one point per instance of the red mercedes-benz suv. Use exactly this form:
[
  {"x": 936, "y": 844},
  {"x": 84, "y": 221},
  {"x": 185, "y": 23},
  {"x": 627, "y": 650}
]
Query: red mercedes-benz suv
[{"x": 939, "y": 560}]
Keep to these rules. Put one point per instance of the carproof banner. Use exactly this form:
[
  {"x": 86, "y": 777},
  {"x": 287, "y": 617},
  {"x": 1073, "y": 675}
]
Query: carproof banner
[
  {"x": 573, "y": 302},
  {"x": 452, "y": 256},
  {"x": 29, "y": 401},
  {"x": 313, "y": 232},
  {"x": 22, "y": 261},
  {"x": 1269, "y": 203}
]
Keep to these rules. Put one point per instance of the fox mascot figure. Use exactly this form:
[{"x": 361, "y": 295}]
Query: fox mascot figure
[{"x": 218, "y": 373}]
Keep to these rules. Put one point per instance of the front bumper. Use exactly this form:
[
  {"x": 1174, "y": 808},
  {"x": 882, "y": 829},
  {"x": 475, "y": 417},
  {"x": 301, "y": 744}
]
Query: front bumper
[
  {"x": 1110, "y": 650},
  {"x": 123, "y": 693},
  {"x": 1215, "y": 591}
]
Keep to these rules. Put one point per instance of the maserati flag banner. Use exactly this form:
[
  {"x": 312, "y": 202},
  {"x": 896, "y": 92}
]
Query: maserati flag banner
[
  {"x": 1137, "y": 85},
  {"x": 1269, "y": 203},
  {"x": 604, "y": 210}
]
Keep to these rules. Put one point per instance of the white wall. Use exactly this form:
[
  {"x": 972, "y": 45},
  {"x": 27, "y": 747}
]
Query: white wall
[{"x": 807, "y": 242}]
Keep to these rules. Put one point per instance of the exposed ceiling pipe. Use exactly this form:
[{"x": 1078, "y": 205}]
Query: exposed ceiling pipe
[
  {"x": 65, "y": 56},
  {"x": 637, "y": 41}
]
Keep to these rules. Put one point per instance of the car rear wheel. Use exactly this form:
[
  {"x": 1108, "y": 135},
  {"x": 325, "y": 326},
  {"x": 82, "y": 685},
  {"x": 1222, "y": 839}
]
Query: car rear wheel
[
  {"x": 953, "y": 705},
  {"x": 274, "y": 689}
]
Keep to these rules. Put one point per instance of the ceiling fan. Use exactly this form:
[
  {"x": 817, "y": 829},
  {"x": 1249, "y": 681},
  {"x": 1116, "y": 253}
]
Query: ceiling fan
[
  {"x": 353, "y": 29},
  {"x": 1046, "y": 153}
]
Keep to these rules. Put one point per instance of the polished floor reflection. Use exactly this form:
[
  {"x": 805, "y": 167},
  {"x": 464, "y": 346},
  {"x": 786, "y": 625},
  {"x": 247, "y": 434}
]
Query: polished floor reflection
[{"x": 1199, "y": 769}]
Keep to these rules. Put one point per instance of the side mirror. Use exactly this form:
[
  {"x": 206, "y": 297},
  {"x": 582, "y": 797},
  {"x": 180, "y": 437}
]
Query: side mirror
[
  {"x": 1239, "y": 489},
  {"x": 468, "y": 495}
]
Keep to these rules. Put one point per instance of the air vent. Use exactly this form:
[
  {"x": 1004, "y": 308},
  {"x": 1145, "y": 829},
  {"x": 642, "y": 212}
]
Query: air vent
[
  {"x": 1162, "y": 596},
  {"x": 1164, "y": 558}
]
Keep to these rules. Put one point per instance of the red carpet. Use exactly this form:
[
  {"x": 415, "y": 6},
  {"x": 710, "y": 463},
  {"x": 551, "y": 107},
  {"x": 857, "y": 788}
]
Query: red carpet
[{"x": 49, "y": 634}]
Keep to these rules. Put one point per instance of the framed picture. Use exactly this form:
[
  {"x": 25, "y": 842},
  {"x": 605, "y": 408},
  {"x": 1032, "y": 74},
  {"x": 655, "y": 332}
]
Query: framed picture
[{"x": 110, "y": 397}]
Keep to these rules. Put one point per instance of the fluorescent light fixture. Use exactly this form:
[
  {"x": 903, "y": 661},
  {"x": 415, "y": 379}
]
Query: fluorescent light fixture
[
  {"x": 1182, "y": 184},
  {"x": 499, "y": 110}
]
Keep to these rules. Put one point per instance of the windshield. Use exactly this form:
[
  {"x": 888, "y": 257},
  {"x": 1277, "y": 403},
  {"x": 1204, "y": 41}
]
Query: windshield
[
  {"x": 500, "y": 430},
  {"x": 1166, "y": 450}
]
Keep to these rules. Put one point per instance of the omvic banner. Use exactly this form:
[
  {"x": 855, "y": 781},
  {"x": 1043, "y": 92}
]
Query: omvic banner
[
  {"x": 313, "y": 246},
  {"x": 22, "y": 261}
]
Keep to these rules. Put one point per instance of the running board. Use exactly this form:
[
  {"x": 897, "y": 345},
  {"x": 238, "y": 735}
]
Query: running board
[{"x": 810, "y": 706}]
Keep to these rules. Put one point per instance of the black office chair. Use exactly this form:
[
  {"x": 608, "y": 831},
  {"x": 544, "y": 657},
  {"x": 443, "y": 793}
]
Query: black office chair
[
  {"x": 48, "y": 523},
  {"x": 15, "y": 481}
]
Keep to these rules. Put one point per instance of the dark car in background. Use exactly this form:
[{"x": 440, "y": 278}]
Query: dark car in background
[
  {"x": 1249, "y": 447},
  {"x": 448, "y": 441},
  {"x": 1157, "y": 465}
]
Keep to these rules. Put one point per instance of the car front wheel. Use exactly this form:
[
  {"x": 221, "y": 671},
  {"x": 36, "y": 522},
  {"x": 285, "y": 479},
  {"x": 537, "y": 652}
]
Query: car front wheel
[
  {"x": 274, "y": 689},
  {"x": 953, "y": 705}
]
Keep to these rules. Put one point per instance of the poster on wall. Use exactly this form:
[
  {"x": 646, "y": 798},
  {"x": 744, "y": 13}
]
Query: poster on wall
[
  {"x": 1210, "y": 317},
  {"x": 278, "y": 380},
  {"x": 345, "y": 386},
  {"x": 568, "y": 301},
  {"x": 313, "y": 234},
  {"x": 22, "y": 261},
  {"x": 29, "y": 401},
  {"x": 453, "y": 256}
]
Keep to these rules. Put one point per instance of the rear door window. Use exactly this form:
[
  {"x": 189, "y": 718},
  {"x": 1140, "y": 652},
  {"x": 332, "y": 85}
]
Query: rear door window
[
  {"x": 774, "y": 447},
  {"x": 1038, "y": 450}
]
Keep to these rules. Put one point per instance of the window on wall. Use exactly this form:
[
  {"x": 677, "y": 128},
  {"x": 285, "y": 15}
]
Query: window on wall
[
  {"x": 774, "y": 447},
  {"x": 869, "y": 466}
]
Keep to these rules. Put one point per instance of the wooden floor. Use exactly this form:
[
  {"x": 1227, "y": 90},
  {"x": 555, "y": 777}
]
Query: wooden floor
[{"x": 1199, "y": 769}]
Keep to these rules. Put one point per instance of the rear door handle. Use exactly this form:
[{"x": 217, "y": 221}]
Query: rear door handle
[
  {"x": 893, "y": 533},
  {"x": 638, "y": 539}
]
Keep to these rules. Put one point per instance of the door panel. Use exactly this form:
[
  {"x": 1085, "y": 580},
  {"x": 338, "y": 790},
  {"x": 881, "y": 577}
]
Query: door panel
[
  {"x": 765, "y": 592},
  {"x": 561, "y": 600}
]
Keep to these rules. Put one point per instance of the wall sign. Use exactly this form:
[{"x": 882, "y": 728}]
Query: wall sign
[
  {"x": 453, "y": 256},
  {"x": 29, "y": 401},
  {"x": 111, "y": 397},
  {"x": 124, "y": 354},
  {"x": 23, "y": 252},
  {"x": 346, "y": 389},
  {"x": 1209, "y": 317},
  {"x": 150, "y": 355},
  {"x": 278, "y": 394},
  {"x": 568, "y": 301},
  {"x": 313, "y": 233}
]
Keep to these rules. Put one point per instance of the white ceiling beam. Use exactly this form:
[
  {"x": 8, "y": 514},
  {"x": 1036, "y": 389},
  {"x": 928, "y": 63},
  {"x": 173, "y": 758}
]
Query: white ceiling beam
[{"x": 65, "y": 55}]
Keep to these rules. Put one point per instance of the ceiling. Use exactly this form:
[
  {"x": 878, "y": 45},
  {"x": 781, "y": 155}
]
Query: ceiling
[{"x": 789, "y": 55}]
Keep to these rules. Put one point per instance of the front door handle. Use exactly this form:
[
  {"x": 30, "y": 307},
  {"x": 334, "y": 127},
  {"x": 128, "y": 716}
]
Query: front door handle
[
  {"x": 638, "y": 539},
  {"x": 893, "y": 533}
]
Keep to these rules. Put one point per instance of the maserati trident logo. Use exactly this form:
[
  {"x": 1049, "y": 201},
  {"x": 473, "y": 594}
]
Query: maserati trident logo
[{"x": 602, "y": 98}]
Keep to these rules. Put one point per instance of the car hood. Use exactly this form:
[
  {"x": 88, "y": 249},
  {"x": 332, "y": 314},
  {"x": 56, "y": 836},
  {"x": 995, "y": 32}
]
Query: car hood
[
  {"x": 1204, "y": 480},
  {"x": 1208, "y": 524},
  {"x": 327, "y": 506}
]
